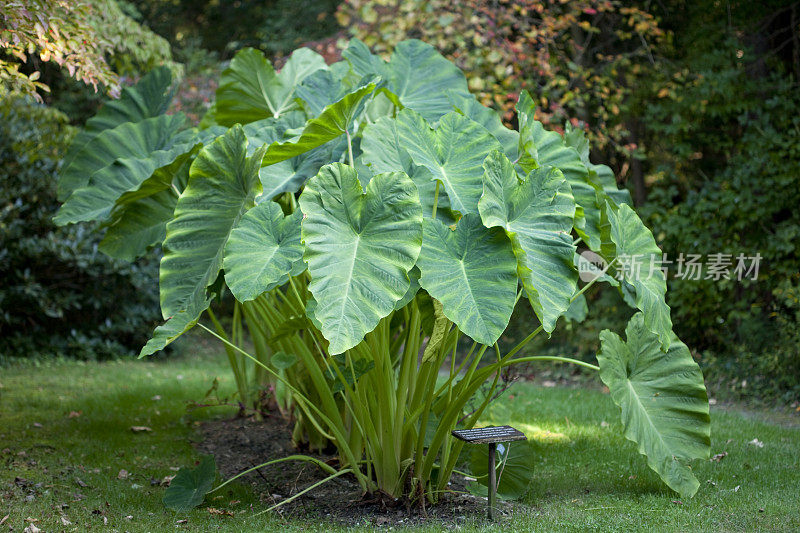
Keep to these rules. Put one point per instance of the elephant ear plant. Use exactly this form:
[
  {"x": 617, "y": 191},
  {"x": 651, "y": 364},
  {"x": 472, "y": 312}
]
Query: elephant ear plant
[{"x": 372, "y": 220}]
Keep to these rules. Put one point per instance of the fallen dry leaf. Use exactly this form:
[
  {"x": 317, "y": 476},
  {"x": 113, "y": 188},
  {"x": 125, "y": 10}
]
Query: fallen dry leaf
[
  {"x": 37, "y": 425},
  {"x": 167, "y": 480},
  {"x": 123, "y": 474},
  {"x": 74, "y": 414},
  {"x": 129, "y": 517},
  {"x": 757, "y": 443},
  {"x": 736, "y": 489},
  {"x": 65, "y": 521},
  {"x": 181, "y": 521},
  {"x": 3, "y": 520},
  {"x": 140, "y": 429},
  {"x": 31, "y": 529},
  {"x": 220, "y": 512},
  {"x": 719, "y": 457},
  {"x": 80, "y": 482}
]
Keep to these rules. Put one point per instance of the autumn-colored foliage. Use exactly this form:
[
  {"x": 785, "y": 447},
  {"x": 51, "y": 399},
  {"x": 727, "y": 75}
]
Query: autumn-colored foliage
[
  {"x": 92, "y": 39},
  {"x": 581, "y": 58}
]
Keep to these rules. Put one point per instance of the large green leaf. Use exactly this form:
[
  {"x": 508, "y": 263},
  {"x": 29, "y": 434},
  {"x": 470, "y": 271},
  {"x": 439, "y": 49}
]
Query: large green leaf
[
  {"x": 222, "y": 185},
  {"x": 147, "y": 99},
  {"x": 537, "y": 213},
  {"x": 472, "y": 271},
  {"x": 261, "y": 250},
  {"x": 420, "y": 79},
  {"x": 359, "y": 247},
  {"x": 469, "y": 106},
  {"x": 382, "y": 152},
  {"x": 638, "y": 261},
  {"x": 139, "y": 148},
  {"x": 190, "y": 486},
  {"x": 550, "y": 149},
  {"x": 332, "y": 122},
  {"x": 251, "y": 90},
  {"x": 139, "y": 217},
  {"x": 453, "y": 152},
  {"x": 663, "y": 401},
  {"x": 176, "y": 325}
]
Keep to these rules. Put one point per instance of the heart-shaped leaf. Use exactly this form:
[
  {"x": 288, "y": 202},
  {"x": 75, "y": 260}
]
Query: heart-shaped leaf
[
  {"x": 537, "y": 213},
  {"x": 251, "y": 90},
  {"x": 189, "y": 487},
  {"x": 453, "y": 152},
  {"x": 359, "y": 246},
  {"x": 663, "y": 401},
  {"x": 261, "y": 251},
  {"x": 472, "y": 272}
]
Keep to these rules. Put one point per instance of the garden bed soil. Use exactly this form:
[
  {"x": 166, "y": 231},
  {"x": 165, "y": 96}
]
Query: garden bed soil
[{"x": 242, "y": 443}]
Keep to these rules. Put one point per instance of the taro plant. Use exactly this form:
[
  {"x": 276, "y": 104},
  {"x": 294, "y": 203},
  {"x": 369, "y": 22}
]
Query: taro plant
[{"x": 372, "y": 220}]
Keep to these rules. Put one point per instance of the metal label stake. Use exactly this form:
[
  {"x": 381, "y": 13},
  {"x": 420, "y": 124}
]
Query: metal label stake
[{"x": 491, "y": 435}]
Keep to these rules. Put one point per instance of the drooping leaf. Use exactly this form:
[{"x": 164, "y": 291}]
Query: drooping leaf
[
  {"x": 453, "y": 152},
  {"x": 537, "y": 214},
  {"x": 222, "y": 185},
  {"x": 147, "y": 99},
  {"x": 251, "y": 90},
  {"x": 514, "y": 466},
  {"x": 359, "y": 246},
  {"x": 261, "y": 250},
  {"x": 638, "y": 261},
  {"x": 472, "y": 272},
  {"x": 189, "y": 487},
  {"x": 139, "y": 218},
  {"x": 332, "y": 122},
  {"x": 175, "y": 326},
  {"x": 138, "y": 149},
  {"x": 663, "y": 401}
]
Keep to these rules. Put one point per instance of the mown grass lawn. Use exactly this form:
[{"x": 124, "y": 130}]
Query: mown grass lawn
[{"x": 65, "y": 438}]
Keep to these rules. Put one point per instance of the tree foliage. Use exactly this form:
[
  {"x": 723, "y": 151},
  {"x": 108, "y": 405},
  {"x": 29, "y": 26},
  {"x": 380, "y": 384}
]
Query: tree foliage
[{"x": 95, "y": 41}]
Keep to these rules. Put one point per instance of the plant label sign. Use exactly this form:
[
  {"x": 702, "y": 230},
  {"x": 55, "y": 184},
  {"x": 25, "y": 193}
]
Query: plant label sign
[{"x": 488, "y": 435}]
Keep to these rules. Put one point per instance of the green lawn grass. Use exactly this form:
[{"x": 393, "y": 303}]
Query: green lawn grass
[{"x": 588, "y": 477}]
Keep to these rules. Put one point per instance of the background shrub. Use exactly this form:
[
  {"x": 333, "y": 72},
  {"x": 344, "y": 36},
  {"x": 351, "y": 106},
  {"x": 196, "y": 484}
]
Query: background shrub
[{"x": 59, "y": 295}]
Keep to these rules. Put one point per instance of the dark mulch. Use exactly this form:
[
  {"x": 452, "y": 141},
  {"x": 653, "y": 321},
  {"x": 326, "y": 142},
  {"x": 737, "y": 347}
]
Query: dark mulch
[{"x": 241, "y": 443}]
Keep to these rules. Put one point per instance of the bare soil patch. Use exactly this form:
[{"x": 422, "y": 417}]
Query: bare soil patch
[{"x": 242, "y": 443}]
